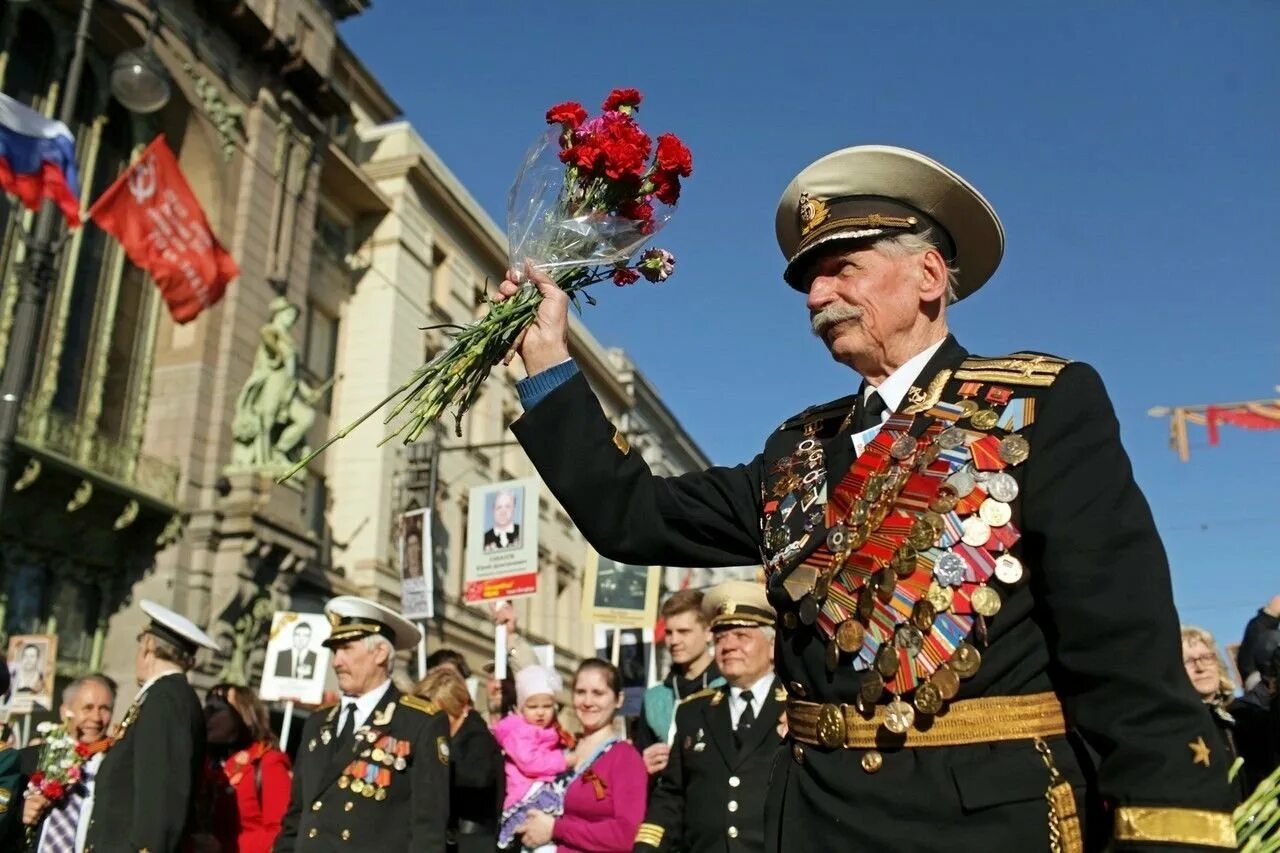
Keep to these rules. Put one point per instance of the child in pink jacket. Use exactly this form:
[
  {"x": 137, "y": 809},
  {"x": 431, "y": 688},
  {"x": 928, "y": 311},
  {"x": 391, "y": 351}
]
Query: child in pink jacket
[{"x": 535, "y": 745}]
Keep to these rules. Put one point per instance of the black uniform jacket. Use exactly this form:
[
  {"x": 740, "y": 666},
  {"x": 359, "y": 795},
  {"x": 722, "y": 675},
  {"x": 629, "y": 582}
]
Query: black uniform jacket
[
  {"x": 329, "y": 809},
  {"x": 144, "y": 792},
  {"x": 478, "y": 787},
  {"x": 710, "y": 797},
  {"x": 1092, "y": 620}
]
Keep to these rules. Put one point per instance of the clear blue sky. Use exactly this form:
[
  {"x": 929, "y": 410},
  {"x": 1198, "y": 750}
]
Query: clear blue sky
[{"x": 1130, "y": 149}]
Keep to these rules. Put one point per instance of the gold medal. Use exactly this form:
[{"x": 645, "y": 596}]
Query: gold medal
[
  {"x": 898, "y": 716},
  {"x": 922, "y": 535},
  {"x": 1014, "y": 449},
  {"x": 968, "y": 408},
  {"x": 885, "y": 582},
  {"x": 965, "y": 660},
  {"x": 939, "y": 596},
  {"x": 378, "y": 755},
  {"x": 928, "y": 698},
  {"x": 945, "y": 500},
  {"x": 995, "y": 513},
  {"x": 984, "y": 419},
  {"x": 985, "y": 601},
  {"x": 902, "y": 448},
  {"x": 367, "y": 791},
  {"x": 922, "y": 614},
  {"x": 380, "y": 794},
  {"x": 872, "y": 761},
  {"x": 904, "y": 562},
  {"x": 887, "y": 661},
  {"x": 357, "y": 785},
  {"x": 947, "y": 682},
  {"x": 344, "y": 782},
  {"x": 849, "y": 636}
]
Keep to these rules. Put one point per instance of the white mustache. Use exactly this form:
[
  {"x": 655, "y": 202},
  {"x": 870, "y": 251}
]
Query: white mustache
[{"x": 836, "y": 312}]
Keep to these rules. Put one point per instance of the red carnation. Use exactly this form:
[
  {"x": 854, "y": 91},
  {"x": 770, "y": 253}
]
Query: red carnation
[
  {"x": 52, "y": 789},
  {"x": 570, "y": 114},
  {"x": 623, "y": 276},
  {"x": 82, "y": 749},
  {"x": 666, "y": 186},
  {"x": 620, "y": 98},
  {"x": 640, "y": 210},
  {"x": 36, "y": 778},
  {"x": 674, "y": 155}
]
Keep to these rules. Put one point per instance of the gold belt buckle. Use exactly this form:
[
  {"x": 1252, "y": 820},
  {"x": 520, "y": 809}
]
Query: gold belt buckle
[{"x": 831, "y": 728}]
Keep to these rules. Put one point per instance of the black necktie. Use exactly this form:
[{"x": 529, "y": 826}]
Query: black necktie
[
  {"x": 347, "y": 733},
  {"x": 744, "y": 722},
  {"x": 868, "y": 414}
]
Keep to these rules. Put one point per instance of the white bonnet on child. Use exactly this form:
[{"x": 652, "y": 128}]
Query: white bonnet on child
[{"x": 534, "y": 680}]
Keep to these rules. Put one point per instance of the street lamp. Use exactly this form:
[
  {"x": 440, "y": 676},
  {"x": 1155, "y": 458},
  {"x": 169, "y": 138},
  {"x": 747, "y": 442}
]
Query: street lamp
[{"x": 139, "y": 86}]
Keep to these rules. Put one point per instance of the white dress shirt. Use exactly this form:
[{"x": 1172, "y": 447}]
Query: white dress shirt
[
  {"x": 86, "y": 806},
  {"x": 759, "y": 692},
  {"x": 893, "y": 389},
  {"x": 365, "y": 705}
]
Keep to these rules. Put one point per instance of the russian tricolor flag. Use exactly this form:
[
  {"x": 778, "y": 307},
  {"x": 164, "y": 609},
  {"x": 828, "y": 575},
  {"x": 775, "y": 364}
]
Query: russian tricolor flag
[{"x": 38, "y": 159}]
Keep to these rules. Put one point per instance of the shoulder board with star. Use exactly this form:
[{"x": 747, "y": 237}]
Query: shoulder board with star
[
  {"x": 1019, "y": 368},
  {"x": 705, "y": 693},
  {"x": 823, "y": 411},
  {"x": 426, "y": 706}
]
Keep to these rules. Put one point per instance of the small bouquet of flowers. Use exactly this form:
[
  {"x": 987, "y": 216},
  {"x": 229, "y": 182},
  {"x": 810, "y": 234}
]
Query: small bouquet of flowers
[
  {"x": 60, "y": 766},
  {"x": 591, "y": 191}
]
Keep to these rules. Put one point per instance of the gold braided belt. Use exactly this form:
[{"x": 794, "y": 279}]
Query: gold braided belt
[{"x": 967, "y": 721}]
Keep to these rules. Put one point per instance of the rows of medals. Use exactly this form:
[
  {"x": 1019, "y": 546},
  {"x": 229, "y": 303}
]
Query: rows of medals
[
  {"x": 917, "y": 531},
  {"x": 370, "y": 775}
]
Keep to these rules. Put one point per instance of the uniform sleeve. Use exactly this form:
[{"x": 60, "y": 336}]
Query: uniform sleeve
[
  {"x": 627, "y": 784},
  {"x": 10, "y": 796},
  {"x": 1113, "y": 630},
  {"x": 475, "y": 754},
  {"x": 430, "y": 775},
  {"x": 276, "y": 781},
  {"x": 705, "y": 519},
  {"x": 161, "y": 800},
  {"x": 663, "y": 827},
  {"x": 643, "y": 736},
  {"x": 293, "y": 814}
]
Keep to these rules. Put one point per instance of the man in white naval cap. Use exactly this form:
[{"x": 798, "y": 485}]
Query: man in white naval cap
[
  {"x": 373, "y": 770},
  {"x": 976, "y": 622},
  {"x": 145, "y": 788}
]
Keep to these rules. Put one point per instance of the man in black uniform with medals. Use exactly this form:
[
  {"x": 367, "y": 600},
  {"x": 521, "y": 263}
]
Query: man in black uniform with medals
[
  {"x": 977, "y": 625},
  {"x": 373, "y": 771},
  {"x": 145, "y": 788},
  {"x": 710, "y": 797}
]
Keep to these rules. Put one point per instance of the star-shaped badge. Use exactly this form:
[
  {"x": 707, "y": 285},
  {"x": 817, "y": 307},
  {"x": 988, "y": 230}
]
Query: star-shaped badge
[{"x": 1199, "y": 752}]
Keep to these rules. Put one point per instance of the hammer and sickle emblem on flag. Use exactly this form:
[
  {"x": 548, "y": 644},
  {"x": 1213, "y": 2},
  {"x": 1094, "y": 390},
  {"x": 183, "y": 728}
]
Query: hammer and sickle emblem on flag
[{"x": 142, "y": 181}]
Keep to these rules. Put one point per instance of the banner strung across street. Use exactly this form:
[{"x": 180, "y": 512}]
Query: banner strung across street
[
  {"x": 502, "y": 541},
  {"x": 417, "y": 572},
  {"x": 151, "y": 210},
  {"x": 618, "y": 594},
  {"x": 296, "y": 662}
]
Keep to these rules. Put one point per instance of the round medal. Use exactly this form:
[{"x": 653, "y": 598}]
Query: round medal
[
  {"x": 1014, "y": 449},
  {"x": 922, "y": 535},
  {"x": 885, "y": 582},
  {"x": 866, "y": 600},
  {"x": 790, "y": 621},
  {"x": 928, "y": 698},
  {"x": 872, "y": 761},
  {"x": 378, "y": 755},
  {"x": 984, "y": 419},
  {"x": 898, "y": 716},
  {"x": 985, "y": 601},
  {"x": 1008, "y": 569},
  {"x": 849, "y": 636},
  {"x": 976, "y": 532},
  {"x": 887, "y": 661},
  {"x": 950, "y": 570},
  {"x": 357, "y": 785},
  {"x": 401, "y": 764},
  {"x": 859, "y": 536},
  {"x": 908, "y": 637},
  {"x": 380, "y": 794},
  {"x": 902, "y": 448},
  {"x": 939, "y": 596},
  {"x": 904, "y": 562},
  {"x": 951, "y": 438},
  {"x": 963, "y": 481},
  {"x": 858, "y": 514},
  {"x": 965, "y": 660},
  {"x": 871, "y": 688},
  {"x": 923, "y": 614},
  {"x": 931, "y": 452},
  {"x": 947, "y": 682},
  {"x": 344, "y": 782},
  {"x": 874, "y": 488},
  {"x": 367, "y": 791},
  {"x": 967, "y": 408},
  {"x": 808, "y": 610},
  {"x": 995, "y": 513},
  {"x": 832, "y": 656},
  {"x": 1003, "y": 487},
  {"x": 837, "y": 538},
  {"x": 945, "y": 500}
]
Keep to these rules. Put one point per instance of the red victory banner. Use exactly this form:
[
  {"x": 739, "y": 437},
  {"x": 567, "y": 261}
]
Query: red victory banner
[{"x": 151, "y": 210}]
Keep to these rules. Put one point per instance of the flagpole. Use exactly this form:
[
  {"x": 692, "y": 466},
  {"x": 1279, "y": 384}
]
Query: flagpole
[{"x": 33, "y": 288}]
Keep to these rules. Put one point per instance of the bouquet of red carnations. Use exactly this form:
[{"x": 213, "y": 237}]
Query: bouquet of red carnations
[
  {"x": 591, "y": 191},
  {"x": 59, "y": 768}
]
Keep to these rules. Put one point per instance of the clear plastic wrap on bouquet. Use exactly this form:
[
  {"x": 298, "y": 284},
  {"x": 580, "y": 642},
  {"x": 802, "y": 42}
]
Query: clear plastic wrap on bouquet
[{"x": 551, "y": 223}]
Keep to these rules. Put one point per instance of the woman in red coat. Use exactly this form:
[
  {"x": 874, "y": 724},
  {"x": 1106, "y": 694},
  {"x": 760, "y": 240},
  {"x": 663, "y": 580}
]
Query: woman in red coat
[{"x": 247, "y": 777}]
